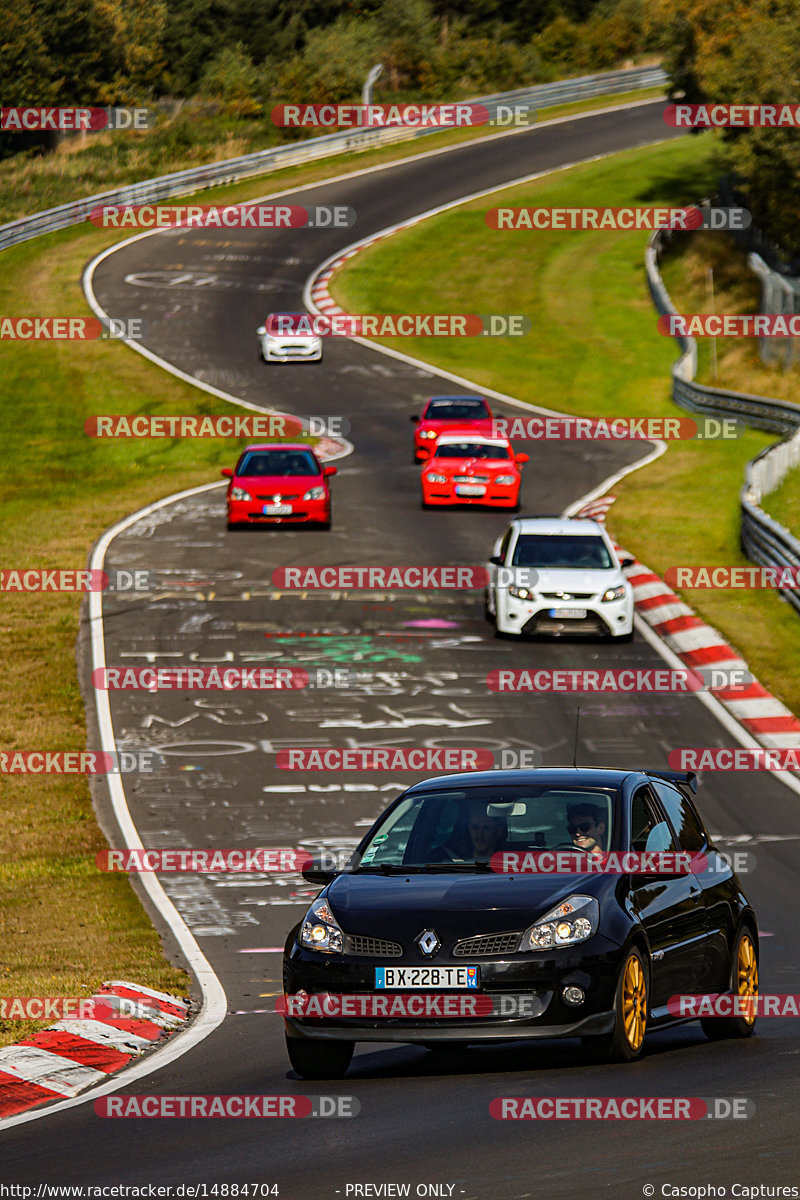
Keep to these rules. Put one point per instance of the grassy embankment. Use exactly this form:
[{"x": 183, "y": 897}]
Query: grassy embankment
[{"x": 594, "y": 351}]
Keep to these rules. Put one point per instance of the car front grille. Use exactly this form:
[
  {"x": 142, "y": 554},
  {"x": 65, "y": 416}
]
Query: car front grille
[
  {"x": 567, "y": 595},
  {"x": 470, "y": 478},
  {"x": 271, "y": 496},
  {"x": 486, "y": 944},
  {"x": 370, "y": 947},
  {"x": 543, "y": 623}
]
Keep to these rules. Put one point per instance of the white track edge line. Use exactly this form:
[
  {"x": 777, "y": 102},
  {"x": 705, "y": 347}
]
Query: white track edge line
[{"x": 215, "y": 1002}]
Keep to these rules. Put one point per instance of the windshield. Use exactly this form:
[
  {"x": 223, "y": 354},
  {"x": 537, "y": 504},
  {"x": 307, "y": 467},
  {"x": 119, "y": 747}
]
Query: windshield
[
  {"x": 456, "y": 410},
  {"x": 572, "y": 550},
  {"x": 461, "y": 828},
  {"x": 278, "y": 462},
  {"x": 471, "y": 450}
]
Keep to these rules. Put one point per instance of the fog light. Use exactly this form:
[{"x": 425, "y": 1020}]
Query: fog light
[{"x": 574, "y": 995}]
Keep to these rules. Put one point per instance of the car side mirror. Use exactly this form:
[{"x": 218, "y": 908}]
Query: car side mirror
[
  {"x": 627, "y": 562},
  {"x": 522, "y": 458},
  {"x": 315, "y": 872},
  {"x": 329, "y": 470},
  {"x": 414, "y": 420},
  {"x": 261, "y": 331},
  {"x": 497, "y": 560},
  {"x": 227, "y": 472}
]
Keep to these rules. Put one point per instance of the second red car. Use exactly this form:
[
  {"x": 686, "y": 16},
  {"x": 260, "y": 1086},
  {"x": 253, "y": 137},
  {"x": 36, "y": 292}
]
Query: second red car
[{"x": 472, "y": 469}]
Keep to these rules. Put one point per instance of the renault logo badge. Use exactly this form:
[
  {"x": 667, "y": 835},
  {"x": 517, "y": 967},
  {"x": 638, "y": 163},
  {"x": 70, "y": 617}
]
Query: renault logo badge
[{"x": 428, "y": 942}]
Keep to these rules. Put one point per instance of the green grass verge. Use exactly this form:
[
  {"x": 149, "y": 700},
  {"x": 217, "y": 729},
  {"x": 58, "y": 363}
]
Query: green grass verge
[
  {"x": 594, "y": 351},
  {"x": 102, "y": 161}
]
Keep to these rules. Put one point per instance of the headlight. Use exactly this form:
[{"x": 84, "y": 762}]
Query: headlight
[
  {"x": 427, "y": 434},
  {"x": 572, "y": 921},
  {"x": 436, "y": 478},
  {"x": 503, "y": 479},
  {"x": 238, "y": 493},
  {"x": 321, "y": 931},
  {"x": 615, "y": 593},
  {"x": 520, "y": 592},
  {"x": 315, "y": 493}
]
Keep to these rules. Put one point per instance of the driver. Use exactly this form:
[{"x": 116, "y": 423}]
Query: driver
[{"x": 587, "y": 828}]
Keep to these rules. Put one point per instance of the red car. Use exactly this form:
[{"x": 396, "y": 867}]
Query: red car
[
  {"x": 472, "y": 469},
  {"x": 278, "y": 484},
  {"x": 450, "y": 414}
]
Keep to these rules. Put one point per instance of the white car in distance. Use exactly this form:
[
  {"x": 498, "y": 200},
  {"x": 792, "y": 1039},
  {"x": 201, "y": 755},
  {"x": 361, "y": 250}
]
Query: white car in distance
[
  {"x": 287, "y": 347},
  {"x": 556, "y": 576}
]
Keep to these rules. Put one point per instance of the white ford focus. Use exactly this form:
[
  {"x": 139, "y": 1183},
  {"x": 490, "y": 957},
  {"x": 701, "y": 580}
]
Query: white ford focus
[
  {"x": 553, "y": 576},
  {"x": 288, "y": 347}
]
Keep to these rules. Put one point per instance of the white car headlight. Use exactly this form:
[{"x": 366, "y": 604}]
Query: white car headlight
[
  {"x": 503, "y": 479},
  {"x": 436, "y": 478},
  {"x": 315, "y": 493},
  {"x": 573, "y": 920},
  {"x": 238, "y": 493},
  {"x": 427, "y": 434},
  {"x": 614, "y": 593},
  {"x": 321, "y": 931},
  {"x": 520, "y": 592}
]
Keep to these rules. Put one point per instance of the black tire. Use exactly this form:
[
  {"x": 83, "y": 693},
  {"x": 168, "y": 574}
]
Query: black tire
[
  {"x": 626, "y": 637},
  {"x": 743, "y": 976},
  {"x": 318, "y": 1059},
  {"x": 487, "y": 615},
  {"x": 626, "y": 1042}
]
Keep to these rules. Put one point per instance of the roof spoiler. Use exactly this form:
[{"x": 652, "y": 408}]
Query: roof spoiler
[{"x": 689, "y": 778}]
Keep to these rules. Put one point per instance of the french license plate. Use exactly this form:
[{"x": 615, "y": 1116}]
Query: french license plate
[
  {"x": 427, "y": 977},
  {"x": 276, "y": 510},
  {"x": 569, "y": 614},
  {"x": 470, "y": 489}
]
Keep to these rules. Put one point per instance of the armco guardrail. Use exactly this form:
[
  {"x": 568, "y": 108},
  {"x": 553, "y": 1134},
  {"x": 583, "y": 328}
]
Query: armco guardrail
[
  {"x": 231, "y": 170},
  {"x": 763, "y": 539}
]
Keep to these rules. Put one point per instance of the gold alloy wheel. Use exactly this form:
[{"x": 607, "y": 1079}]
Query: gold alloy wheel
[
  {"x": 634, "y": 1002},
  {"x": 747, "y": 976}
]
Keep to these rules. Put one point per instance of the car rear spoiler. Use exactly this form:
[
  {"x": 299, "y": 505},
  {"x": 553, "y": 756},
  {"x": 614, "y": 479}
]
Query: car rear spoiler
[{"x": 688, "y": 778}]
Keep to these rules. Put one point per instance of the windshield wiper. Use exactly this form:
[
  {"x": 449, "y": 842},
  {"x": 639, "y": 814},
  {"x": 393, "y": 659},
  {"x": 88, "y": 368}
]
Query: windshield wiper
[
  {"x": 467, "y": 865},
  {"x": 387, "y": 869}
]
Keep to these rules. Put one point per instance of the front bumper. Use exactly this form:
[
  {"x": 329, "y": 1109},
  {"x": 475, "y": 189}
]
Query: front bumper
[
  {"x": 249, "y": 512},
  {"x": 539, "y": 979},
  {"x": 532, "y": 617},
  {"x": 495, "y": 496},
  {"x": 291, "y": 352}
]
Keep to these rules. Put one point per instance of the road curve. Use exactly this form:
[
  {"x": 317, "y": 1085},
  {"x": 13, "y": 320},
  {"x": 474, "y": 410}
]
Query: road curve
[{"x": 424, "y": 1118}]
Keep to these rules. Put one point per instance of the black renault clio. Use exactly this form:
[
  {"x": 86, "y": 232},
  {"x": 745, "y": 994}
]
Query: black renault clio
[{"x": 422, "y": 939}]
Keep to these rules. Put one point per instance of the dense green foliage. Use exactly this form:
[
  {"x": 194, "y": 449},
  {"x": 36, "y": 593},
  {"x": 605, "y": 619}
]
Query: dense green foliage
[{"x": 726, "y": 52}]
